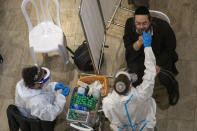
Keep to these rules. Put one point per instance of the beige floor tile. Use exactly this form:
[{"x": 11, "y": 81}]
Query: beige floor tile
[
  {"x": 7, "y": 87},
  {"x": 67, "y": 4},
  {"x": 180, "y": 125},
  {"x": 196, "y": 112},
  {"x": 13, "y": 4},
  {"x": 186, "y": 22},
  {"x": 184, "y": 110},
  {"x": 12, "y": 59},
  {"x": 113, "y": 60},
  {"x": 162, "y": 124},
  {"x": 121, "y": 16},
  {"x": 3, "y": 115},
  {"x": 10, "y": 4},
  {"x": 175, "y": 15},
  {"x": 16, "y": 38},
  {"x": 27, "y": 59},
  {"x": 79, "y": 38},
  {"x": 159, "y": 4},
  {"x": 195, "y": 126},
  {"x": 65, "y": 77},
  {"x": 194, "y": 23},
  {"x": 115, "y": 31},
  {"x": 3, "y": 4},
  {"x": 12, "y": 20},
  {"x": 75, "y": 40},
  {"x": 161, "y": 114},
  {"x": 187, "y": 78},
  {"x": 189, "y": 51}
]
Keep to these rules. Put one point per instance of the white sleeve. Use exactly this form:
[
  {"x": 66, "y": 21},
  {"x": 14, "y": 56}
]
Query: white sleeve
[
  {"x": 106, "y": 106},
  {"x": 50, "y": 87},
  {"x": 48, "y": 111},
  {"x": 145, "y": 89}
]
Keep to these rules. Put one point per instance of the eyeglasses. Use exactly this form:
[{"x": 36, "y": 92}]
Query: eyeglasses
[{"x": 141, "y": 23}]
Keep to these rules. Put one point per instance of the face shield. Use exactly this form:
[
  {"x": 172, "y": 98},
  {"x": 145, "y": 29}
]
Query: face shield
[{"x": 44, "y": 73}]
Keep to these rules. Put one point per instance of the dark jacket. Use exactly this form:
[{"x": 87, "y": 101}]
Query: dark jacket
[{"x": 163, "y": 44}]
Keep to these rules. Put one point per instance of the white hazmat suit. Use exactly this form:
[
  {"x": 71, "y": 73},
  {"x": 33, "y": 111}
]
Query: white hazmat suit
[
  {"x": 44, "y": 103},
  {"x": 141, "y": 107}
]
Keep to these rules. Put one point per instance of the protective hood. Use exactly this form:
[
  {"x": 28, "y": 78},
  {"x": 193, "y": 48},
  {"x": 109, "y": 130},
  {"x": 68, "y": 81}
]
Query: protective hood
[
  {"x": 25, "y": 92},
  {"x": 132, "y": 77}
]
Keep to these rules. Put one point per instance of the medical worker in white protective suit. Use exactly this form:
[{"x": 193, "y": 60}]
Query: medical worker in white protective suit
[
  {"x": 133, "y": 109},
  {"x": 37, "y": 97}
]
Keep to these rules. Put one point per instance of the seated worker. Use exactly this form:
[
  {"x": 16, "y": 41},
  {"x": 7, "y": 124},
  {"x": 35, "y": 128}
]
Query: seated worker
[
  {"x": 37, "y": 97},
  {"x": 163, "y": 45},
  {"x": 129, "y": 108}
]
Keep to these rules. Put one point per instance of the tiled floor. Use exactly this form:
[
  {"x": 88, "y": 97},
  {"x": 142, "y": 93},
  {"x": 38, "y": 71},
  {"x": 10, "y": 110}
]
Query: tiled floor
[{"x": 15, "y": 50}]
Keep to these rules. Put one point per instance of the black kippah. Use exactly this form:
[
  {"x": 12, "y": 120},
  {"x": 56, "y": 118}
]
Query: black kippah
[{"x": 142, "y": 10}]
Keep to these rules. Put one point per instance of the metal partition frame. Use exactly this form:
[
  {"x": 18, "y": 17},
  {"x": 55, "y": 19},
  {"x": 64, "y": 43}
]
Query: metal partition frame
[
  {"x": 94, "y": 30},
  {"x": 108, "y": 19},
  {"x": 108, "y": 10}
]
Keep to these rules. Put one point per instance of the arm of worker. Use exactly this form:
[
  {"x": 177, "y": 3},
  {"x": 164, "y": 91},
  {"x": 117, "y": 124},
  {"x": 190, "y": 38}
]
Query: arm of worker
[
  {"x": 132, "y": 43},
  {"x": 48, "y": 111},
  {"x": 169, "y": 45},
  {"x": 145, "y": 89},
  {"x": 50, "y": 87},
  {"x": 107, "y": 106},
  {"x": 55, "y": 87}
]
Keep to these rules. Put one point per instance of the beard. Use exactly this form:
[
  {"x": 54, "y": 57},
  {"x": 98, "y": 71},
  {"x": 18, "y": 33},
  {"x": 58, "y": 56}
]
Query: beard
[{"x": 140, "y": 31}]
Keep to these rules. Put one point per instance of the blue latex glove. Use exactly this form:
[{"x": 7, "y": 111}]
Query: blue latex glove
[
  {"x": 147, "y": 39},
  {"x": 59, "y": 86},
  {"x": 66, "y": 91}
]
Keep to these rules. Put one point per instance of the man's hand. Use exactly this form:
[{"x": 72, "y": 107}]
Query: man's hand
[
  {"x": 140, "y": 39},
  {"x": 137, "y": 45},
  {"x": 157, "y": 69}
]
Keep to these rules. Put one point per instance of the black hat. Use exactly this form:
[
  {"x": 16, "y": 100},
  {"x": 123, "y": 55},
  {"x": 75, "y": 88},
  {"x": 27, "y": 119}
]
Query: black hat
[{"x": 142, "y": 10}]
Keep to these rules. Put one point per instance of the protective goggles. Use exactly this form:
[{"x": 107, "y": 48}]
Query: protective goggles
[{"x": 43, "y": 71}]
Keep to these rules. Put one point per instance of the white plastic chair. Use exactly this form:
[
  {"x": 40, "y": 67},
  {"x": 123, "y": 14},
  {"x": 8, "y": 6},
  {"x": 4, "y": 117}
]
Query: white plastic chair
[
  {"x": 46, "y": 36},
  {"x": 160, "y": 15}
]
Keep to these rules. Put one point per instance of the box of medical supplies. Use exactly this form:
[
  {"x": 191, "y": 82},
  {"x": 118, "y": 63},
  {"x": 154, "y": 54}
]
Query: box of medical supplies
[{"x": 93, "y": 78}]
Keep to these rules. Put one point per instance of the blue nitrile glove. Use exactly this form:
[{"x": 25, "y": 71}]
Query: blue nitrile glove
[
  {"x": 66, "y": 91},
  {"x": 147, "y": 39},
  {"x": 59, "y": 86}
]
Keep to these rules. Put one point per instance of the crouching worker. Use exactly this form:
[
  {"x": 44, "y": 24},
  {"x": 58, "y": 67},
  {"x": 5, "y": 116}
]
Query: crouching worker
[
  {"x": 133, "y": 109},
  {"x": 37, "y": 97}
]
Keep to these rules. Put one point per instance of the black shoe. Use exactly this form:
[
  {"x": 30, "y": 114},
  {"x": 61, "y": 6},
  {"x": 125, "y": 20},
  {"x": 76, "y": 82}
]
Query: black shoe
[
  {"x": 168, "y": 80},
  {"x": 174, "y": 97},
  {"x": 1, "y": 59}
]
